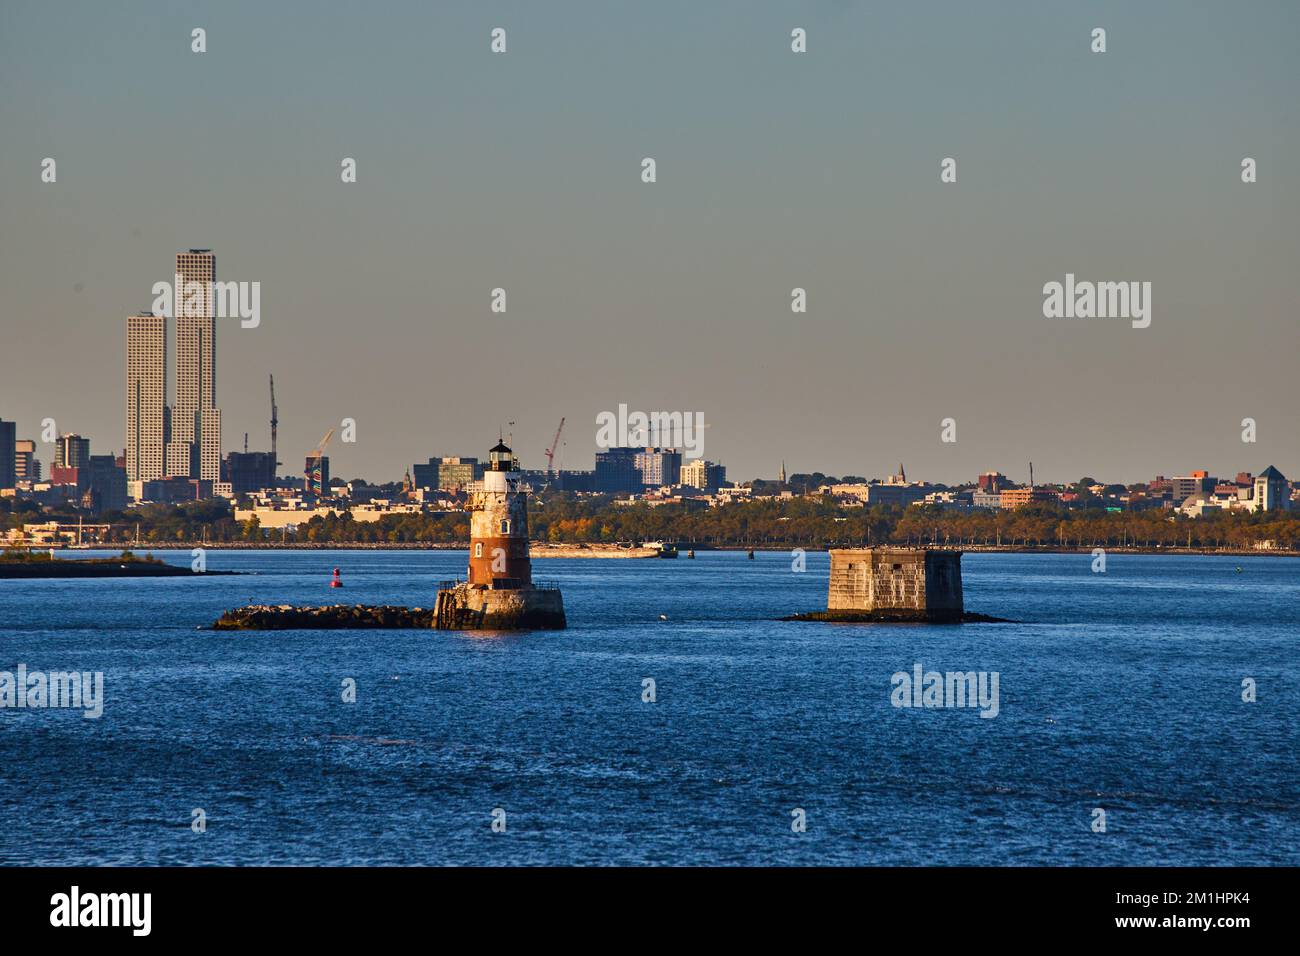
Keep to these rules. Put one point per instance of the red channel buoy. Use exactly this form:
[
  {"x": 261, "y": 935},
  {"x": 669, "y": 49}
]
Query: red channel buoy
[{"x": 334, "y": 581}]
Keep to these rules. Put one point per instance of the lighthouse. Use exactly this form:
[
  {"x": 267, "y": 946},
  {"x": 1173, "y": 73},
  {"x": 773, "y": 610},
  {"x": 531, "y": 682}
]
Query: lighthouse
[
  {"x": 499, "y": 592},
  {"x": 498, "y": 526}
]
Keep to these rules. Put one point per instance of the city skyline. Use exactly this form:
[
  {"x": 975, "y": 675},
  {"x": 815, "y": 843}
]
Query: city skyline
[
  {"x": 176, "y": 432},
  {"x": 774, "y": 172},
  {"x": 649, "y": 464}
]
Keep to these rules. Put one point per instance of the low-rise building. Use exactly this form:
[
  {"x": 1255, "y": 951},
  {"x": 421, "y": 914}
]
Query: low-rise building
[
  {"x": 895, "y": 490},
  {"x": 1013, "y": 498},
  {"x": 284, "y": 517},
  {"x": 618, "y": 471},
  {"x": 659, "y": 466},
  {"x": 169, "y": 490},
  {"x": 699, "y": 473},
  {"x": 1185, "y": 486},
  {"x": 948, "y": 500},
  {"x": 457, "y": 473},
  {"x": 730, "y": 494},
  {"x": 27, "y": 467},
  {"x": 1270, "y": 492},
  {"x": 46, "y": 534},
  {"x": 249, "y": 471},
  {"x": 686, "y": 502},
  {"x": 289, "y": 511}
]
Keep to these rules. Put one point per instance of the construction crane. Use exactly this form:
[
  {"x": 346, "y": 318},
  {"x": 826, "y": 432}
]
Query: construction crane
[
  {"x": 275, "y": 420},
  {"x": 655, "y": 436},
  {"x": 319, "y": 450},
  {"x": 550, "y": 452}
]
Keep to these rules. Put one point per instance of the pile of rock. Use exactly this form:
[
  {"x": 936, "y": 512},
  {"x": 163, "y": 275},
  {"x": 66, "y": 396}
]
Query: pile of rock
[{"x": 284, "y": 617}]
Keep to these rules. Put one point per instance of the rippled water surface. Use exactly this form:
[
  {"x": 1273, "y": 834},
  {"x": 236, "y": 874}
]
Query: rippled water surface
[{"x": 1119, "y": 690}]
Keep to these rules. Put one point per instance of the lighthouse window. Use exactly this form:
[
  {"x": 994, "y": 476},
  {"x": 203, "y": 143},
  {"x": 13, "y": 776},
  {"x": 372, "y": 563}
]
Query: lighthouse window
[
  {"x": 505, "y": 525},
  {"x": 478, "y": 549}
]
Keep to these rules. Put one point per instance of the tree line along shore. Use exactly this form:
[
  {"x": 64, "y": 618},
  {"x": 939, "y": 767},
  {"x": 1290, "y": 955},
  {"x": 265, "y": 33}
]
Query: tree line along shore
[{"x": 812, "y": 523}]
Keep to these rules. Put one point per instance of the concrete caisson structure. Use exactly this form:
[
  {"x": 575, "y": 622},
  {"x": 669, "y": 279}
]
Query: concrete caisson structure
[
  {"x": 896, "y": 584},
  {"x": 499, "y": 592}
]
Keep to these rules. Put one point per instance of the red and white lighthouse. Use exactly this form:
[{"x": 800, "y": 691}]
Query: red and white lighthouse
[
  {"x": 499, "y": 593},
  {"x": 498, "y": 526}
]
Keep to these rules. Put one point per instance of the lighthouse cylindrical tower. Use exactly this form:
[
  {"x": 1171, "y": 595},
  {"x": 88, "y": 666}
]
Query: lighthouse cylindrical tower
[
  {"x": 498, "y": 526},
  {"x": 499, "y": 592}
]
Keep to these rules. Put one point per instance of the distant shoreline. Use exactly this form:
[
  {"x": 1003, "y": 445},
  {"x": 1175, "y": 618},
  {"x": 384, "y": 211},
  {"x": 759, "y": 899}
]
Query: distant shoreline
[
  {"x": 546, "y": 551},
  {"x": 99, "y": 568}
]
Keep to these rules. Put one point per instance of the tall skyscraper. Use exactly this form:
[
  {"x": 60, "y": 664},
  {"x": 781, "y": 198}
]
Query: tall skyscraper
[
  {"x": 210, "y": 444},
  {"x": 8, "y": 452},
  {"x": 146, "y": 395},
  {"x": 195, "y": 445}
]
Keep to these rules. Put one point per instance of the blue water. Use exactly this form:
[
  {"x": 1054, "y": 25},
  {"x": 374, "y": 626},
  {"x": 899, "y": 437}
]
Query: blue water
[{"x": 1120, "y": 691}]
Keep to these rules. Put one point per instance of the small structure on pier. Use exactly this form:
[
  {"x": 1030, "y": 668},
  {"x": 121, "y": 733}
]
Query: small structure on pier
[
  {"x": 896, "y": 583},
  {"x": 499, "y": 592}
]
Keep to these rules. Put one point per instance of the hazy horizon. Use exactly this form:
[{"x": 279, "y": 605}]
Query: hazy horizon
[{"x": 775, "y": 170}]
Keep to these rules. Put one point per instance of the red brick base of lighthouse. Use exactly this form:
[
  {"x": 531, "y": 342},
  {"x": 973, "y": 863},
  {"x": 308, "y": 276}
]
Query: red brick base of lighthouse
[{"x": 500, "y": 563}]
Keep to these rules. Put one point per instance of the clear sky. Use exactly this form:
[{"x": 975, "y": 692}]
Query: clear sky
[{"x": 775, "y": 170}]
